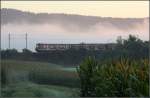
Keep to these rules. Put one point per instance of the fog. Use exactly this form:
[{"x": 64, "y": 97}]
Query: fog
[{"x": 68, "y": 29}]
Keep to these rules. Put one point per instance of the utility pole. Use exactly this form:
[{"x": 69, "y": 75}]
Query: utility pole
[
  {"x": 26, "y": 38},
  {"x": 9, "y": 41}
]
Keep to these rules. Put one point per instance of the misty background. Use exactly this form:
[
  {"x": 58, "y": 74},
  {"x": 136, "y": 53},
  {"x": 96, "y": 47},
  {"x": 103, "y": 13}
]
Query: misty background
[{"x": 66, "y": 28}]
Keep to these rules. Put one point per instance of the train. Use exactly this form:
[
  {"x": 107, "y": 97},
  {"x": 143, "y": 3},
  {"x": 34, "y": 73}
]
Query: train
[{"x": 43, "y": 47}]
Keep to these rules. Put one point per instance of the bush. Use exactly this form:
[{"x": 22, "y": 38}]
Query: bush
[
  {"x": 86, "y": 72},
  {"x": 122, "y": 78}
]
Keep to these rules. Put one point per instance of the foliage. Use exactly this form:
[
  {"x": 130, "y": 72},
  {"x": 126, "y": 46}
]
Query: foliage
[
  {"x": 29, "y": 89},
  {"x": 37, "y": 72},
  {"x": 86, "y": 73},
  {"x": 121, "y": 78},
  {"x": 133, "y": 48},
  {"x": 114, "y": 75}
]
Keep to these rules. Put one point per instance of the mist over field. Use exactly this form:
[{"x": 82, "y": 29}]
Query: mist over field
[
  {"x": 66, "y": 28},
  {"x": 113, "y": 62}
]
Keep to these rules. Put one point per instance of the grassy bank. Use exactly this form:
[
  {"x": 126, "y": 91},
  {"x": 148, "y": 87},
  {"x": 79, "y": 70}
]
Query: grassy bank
[
  {"x": 19, "y": 77},
  {"x": 28, "y": 89}
]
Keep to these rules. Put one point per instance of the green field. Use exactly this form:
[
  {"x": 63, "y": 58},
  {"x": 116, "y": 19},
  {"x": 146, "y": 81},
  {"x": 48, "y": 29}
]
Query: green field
[
  {"x": 71, "y": 69},
  {"x": 25, "y": 78},
  {"x": 28, "y": 89}
]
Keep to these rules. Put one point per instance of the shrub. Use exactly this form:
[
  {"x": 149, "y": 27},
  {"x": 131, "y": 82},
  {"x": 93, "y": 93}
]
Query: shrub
[
  {"x": 86, "y": 73},
  {"x": 121, "y": 78}
]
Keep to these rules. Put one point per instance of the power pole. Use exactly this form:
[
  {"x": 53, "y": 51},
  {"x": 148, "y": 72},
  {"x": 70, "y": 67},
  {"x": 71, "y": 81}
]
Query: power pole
[
  {"x": 9, "y": 41},
  {"x": 26, "y": 38}
]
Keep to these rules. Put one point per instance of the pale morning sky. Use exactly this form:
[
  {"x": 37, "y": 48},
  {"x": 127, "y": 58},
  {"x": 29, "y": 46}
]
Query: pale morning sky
[
  {"x": 123, "y": 9},
  {"x": 54, "y": 34}
]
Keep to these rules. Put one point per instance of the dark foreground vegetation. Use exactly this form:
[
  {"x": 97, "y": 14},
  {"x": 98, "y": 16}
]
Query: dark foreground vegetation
[
  {"x": 121, "y": 78},
  {"x": 36, "y": 79},
  {"x": 133, "y": 48},
  {"x": 126, "y": 74},
  {"x": 121, "y": 72}
]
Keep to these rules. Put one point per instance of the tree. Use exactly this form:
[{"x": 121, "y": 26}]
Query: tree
[
  {"x": 26, "y": 51},
  {"x": 118, "y": 78},
  {"x": 3, "y": 76},
  {"x": 86, "y": 72},
  {"x": 133, "y": 47},
  {"x": 119, "y": 40}
]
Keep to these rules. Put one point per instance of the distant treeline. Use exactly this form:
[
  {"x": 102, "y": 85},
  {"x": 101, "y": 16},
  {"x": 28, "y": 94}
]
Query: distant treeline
[{"x": 133, "y": 48}]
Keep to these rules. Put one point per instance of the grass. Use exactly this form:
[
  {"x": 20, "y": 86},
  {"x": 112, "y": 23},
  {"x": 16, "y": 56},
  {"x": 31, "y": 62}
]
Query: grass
[
  {"x": 25, "y": 78},
  {"x": 27, "y": 89},
  {"x": 27, "y": 65},
  {"x": 111, "y": 79},
  {"x": 70, "y": 69}
]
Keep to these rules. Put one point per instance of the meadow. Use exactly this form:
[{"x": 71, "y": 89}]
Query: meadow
[
  {"x": 124, "y": 77},
  {"x": 23, "y": 78}
]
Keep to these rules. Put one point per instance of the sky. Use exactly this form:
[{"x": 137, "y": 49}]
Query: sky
[
  {"x": 122, "y": 9},
  {"x": 57, "y": 33}
]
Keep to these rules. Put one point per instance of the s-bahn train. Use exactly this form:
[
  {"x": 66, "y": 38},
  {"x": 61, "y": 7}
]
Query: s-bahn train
[{"x": 42, "y": 47}]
